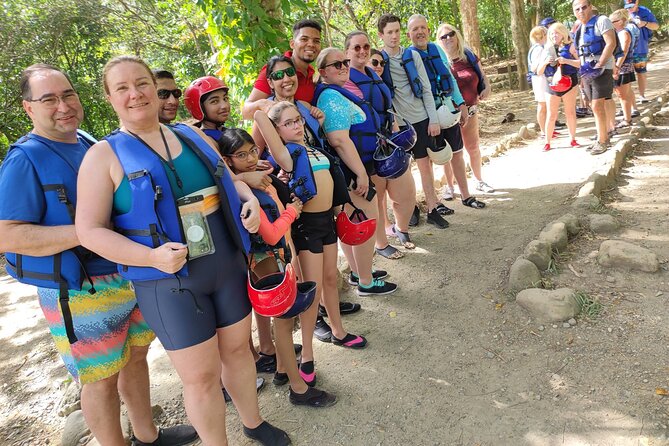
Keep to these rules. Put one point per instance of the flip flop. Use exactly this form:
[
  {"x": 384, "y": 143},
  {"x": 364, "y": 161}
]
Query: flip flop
[
  {"x": 404, "y": 238},
  {"x": 389, "y": 252}
]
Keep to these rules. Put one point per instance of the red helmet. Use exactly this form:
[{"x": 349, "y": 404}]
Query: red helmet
[
  {"x": 198, "y": 88},
  {"x": 274, "y": 294},
  {"x": 306, "y": 291},
  {"x": 355, "y": 230},
  {"x": 562, "y": 85}
]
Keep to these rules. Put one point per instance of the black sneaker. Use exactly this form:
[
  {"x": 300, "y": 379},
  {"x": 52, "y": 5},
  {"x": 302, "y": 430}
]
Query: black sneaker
[
  {"x": 376, "y": 274},
  {"x": 344, "y": 309},
  {"x": 312, "y": 398},
  {"x": 376, "y": 288},
  {"x": 560, "y": 125},
  {"x": 266, "y": 363},
  {"x": 268, "y": 435},
  {"x": 435, "y": 218},
  {"x": 280, "y": 379},
  {"x": 322, "y": 331},
  {"x": 178, "y": 435},
  {"x": 415, "y": 217}
]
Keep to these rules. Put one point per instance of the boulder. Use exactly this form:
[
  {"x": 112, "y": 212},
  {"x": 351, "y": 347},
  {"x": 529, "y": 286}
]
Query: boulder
[
  {"x": 619, "y": 254},
  {"x": 71, "y": 400},
  {"x": 523, "y": 274},
  {"x": 539, "y": 253},
  {"x": 524, "y": 133},
  {"x": 555, "y": 233},
  {"x": 602, "y": 223},
  {"x": 75, "y": 429},
  {"x": 549, "y": 305},
  {"x": 572, "y": 223},
  {"x": 585, "y": 204}
]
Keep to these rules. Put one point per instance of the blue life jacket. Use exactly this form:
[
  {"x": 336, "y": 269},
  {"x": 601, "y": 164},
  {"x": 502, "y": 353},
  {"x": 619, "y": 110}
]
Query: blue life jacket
[
  {"x": 634, "y": 33},
  {"x": 312, "y": 124},
  {"x": 593, "y": 45},
  {"x": 410, "y": 70},
  {"x": 302, "y": 182},
  {"x": 376, "y": 93},
  {"x": 154, "y": 217},
  {"x": 363, "y": 135},
  {"x": 271, "y": 210},
  {"x": 645, "y": 33},
  {"x": 567, "y": 70},
  {"x": 550, "y": 70},
  {"x": 65, "y": 270},
  {"x": 215, "y": 134},
  {"x": 437, "y": 71},
  {"x": 471, "y": 58}
]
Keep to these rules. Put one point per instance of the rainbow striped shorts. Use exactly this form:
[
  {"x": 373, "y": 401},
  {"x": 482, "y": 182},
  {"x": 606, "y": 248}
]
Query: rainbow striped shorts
[{"x": 107, "y": 324}]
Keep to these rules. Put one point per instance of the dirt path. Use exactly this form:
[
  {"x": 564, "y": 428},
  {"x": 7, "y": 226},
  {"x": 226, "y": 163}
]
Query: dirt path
[{"x": 449, "y": 360}]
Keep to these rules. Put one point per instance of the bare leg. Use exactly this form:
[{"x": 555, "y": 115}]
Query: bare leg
[
  {"x": 402, "y": 193},
  {"x": 458, "y": 163},
  {"x": 427, "y": 180},
  {"x": 448, "y": 173},
  {"x": 569, "y": 103},
  {"x": 283, "y": 328},
  {"x": 102, "y": 410},
  {"x": 599, "y": 110},
  {"x": 551, "y": 117},
  {"x": 381, "y": 239},
  {"x": 611, "y": 114},
  {"x": 470, "y": 139},
  {"x": 133, "y": 386},
  {"x": 312, "y": 270},
  {"x": 642, "y": 81},
  {"x": 265, "y": 334},
  {"x": 541, "y": 116},
  {"x": 330, "y": 292},
  {"x": 363, "y": 253},
  {"x": 199, "y": 368}
]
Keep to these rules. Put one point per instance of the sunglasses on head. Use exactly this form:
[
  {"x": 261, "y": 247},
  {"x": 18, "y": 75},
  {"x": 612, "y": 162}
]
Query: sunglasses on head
[
  {"x": 338, "y": 64},
  {"x": 448, "y": 36},
  {"x": 279, "y": 74},
  {"x": 164, "y": 94},
  {"x": 377, "y": 62},
  {"x": 365, "y": 47}
]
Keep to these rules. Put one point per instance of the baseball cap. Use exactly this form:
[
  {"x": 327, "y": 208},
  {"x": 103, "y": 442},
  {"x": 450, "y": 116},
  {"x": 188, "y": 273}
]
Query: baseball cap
[{"x": 548, "y": 21}]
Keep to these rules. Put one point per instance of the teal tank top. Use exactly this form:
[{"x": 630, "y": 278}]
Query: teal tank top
[{"x": 192, "y": 171}]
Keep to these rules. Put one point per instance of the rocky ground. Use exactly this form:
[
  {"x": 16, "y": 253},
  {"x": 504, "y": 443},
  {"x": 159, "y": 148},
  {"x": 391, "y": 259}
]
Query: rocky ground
[{"x": 452, "y": 357}]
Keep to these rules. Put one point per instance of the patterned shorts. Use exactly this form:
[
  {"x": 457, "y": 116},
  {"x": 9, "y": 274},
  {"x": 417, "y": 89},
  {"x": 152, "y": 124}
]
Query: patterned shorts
[{"x": 106, "y": 325}]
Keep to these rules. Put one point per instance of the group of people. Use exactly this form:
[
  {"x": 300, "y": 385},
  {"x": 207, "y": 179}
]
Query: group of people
[
  {"x": 180, "y": 230},
  {"x": 600, "y": 55}
]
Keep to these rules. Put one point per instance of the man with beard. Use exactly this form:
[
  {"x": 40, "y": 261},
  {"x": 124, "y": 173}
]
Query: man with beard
[
  {"x": 169, "y": 95},
  {"x": 305, "y": 45}
]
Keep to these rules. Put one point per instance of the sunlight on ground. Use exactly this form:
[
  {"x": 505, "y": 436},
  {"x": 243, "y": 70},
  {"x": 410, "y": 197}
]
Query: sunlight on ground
[{"x": 18, "y": 317}]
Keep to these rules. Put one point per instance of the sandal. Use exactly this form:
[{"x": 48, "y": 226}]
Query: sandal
[
  {"x": 350, "y": 341},
  {"x": 472, "y": 202},
  {"x": 389, "y": 252},
  {"x": 404, "y": 238},
  {"x": 622, "y": 124},
  {"x": 444, "y": 210}
]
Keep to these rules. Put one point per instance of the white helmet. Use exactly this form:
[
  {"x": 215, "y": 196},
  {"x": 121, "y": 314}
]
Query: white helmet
[
  {"x": 448, "y": 114},
  {"x": 442, "y": 155}
]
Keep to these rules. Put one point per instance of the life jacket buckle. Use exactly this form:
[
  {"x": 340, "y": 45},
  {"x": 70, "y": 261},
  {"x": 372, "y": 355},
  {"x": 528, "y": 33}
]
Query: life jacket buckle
[{"x": 158, "y": 195}]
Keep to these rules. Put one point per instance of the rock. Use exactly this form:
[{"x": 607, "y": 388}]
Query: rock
[
  {"x": 585, "y": 204},
  {"x": 572, "y": 322},
  {"x": 555, "y": 233},
  {"x": 602, "y": 223},
  {"x": 523, "y": 274},
  {"x": 531, "y": 132},
  {"x": 75, "y": 429},
  {"x": 524, "y": 133},
  {"x": 549, "y": 305},
  {"x": 610, "y": 279},
  {"x": 572, "y": 223},
  {"x": 533, "y": 126},
  {"x": 566, "y": 325},
  {"x": 619, "y": 254},
  {"x": 539, "y": 253},
  {"x": 71, "y": 400}
]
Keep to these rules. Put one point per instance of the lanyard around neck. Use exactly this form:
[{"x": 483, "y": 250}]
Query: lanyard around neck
[{"x": 170, "y": 160}]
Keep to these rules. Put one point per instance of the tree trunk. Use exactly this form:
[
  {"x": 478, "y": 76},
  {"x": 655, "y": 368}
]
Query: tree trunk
[
  {"x": 470, "y": 25},
  {"x": 520, "y": 40}
]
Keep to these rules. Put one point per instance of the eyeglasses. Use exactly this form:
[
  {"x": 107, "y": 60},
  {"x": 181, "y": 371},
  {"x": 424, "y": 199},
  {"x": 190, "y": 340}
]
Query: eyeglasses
[
  {"x": 53, "y": 101},
  {"x": 164, "y": 94},
  {"x": 243, "y": 156},
  {"x": 377, "y": 62},
  {"x": 447, "y": 36},
  {"x": 616, "y": 21},
  {"x": 581, "y": 8},
  {"x": 365, "y": 47},
  {"x": 338, "y": 64},
  {"x": 279, "y": 74},
  {"x": 293, "y": 123}
]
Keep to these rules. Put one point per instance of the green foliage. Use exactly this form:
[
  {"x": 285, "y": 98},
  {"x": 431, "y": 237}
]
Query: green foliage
[{"x": 590, "y": 307}]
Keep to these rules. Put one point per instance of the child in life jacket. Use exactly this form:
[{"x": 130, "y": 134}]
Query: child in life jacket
[
  {"x": 314, "y": 233},
  {"x": 241, "y": 154}
]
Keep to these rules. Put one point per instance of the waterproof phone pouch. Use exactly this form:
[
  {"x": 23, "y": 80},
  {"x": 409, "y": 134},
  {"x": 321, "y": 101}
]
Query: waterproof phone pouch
[{"x": 195, "y": 226}]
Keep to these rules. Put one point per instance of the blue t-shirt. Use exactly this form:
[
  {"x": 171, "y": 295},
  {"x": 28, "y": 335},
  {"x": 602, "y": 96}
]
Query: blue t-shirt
[
  {"x": 340, "y": 113},
  {"x": 21, "y": 195},
  {"x": 645, "y": 15}
]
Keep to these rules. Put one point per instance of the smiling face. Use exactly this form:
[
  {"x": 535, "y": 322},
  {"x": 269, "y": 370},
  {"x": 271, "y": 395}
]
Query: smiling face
[
  {"x": 169, "y": 106},
  {"x": 306, "y": 44},
  {"x": 330, "y": 73},
  {"x": 132, "y": 93},
  {"x": 216, "y": 106},
  {"x": 555, "y": 36},
  {"x": 378, "y": 68},
  {"x": 358, "y": 51},
  {"x": 286, "y": 87},
  {"x": 419, "y": 33},
  {"x": 58, "y": 123}
]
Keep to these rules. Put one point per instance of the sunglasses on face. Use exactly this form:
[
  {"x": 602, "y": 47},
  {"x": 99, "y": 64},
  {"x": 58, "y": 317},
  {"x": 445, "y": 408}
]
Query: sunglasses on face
[
  {"x": 448, "y": 36},
  {"x": 377, "y": 62},
  {"x": 338, "y": 64},
  {"x": 164, "y": 94},
  {"x": 581, "y": 8},
  {"x": 365, "y": 47},
  {"x": 279, "y": 74}
]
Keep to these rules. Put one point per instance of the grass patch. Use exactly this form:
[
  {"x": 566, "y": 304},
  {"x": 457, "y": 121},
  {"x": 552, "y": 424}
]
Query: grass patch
[{"x": 590, "y": 307}]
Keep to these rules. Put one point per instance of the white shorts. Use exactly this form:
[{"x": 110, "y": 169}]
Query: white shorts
[{"x": 540, "y": 88}]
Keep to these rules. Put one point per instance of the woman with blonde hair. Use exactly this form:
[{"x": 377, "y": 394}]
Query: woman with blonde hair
[
  {"x": 538, "y": 37},
  {"x": 560, "y": 67},
  {"x": 623, "y": 70},
  {"x": 474, "y": 86}
]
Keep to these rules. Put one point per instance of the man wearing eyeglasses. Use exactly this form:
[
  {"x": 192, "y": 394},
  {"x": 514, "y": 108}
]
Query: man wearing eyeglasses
[
  {"x": 91, "y": 312},
  {"x": 305, "y": 48},
  {"x": 168, "y": 94}
]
